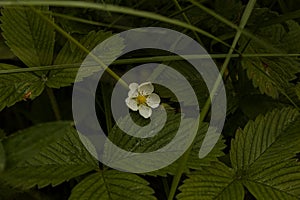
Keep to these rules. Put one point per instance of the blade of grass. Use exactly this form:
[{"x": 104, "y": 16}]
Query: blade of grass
[
  {"x": 187, "y": 21},
  {"x": 206, "y": 107},
  {"x": 85, "y": 21}
]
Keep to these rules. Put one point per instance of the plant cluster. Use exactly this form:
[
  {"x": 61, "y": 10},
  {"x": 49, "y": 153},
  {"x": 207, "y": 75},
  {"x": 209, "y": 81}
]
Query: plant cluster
[{"x": 256, "y": 46}]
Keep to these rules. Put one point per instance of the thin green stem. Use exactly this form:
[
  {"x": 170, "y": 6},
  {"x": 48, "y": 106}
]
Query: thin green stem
[
  {"x": 53, "y": 103},
  {"x": 146, "y": 60},
  {"x": 206, "y": 107},
  {"x": 85, "y": 21},
  {"x": 114, "y": 8}
]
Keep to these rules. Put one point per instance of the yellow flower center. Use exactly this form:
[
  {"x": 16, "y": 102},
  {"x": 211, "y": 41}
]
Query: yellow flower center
[{"x": 141, "y": 99}]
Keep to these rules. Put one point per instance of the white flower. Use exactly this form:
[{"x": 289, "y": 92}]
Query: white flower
[{"x": 141, "y": 98}]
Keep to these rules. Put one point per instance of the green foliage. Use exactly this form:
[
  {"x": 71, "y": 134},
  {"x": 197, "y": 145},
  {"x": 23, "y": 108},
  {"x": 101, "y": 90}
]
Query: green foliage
[
  {"x": 42, "y": 46},
  {"x": 16, "y": 87},
  {"x": 216, "y": 181},
  {"x": 33, "y": 43},
  {"x": 273, "y": 75},
  {"x": 129, "y": 143},
  {"x": 262, "y": 161},
  {"x": 111, "y": 184},
  {"x": 28, "y": 36},
  {"x": 71, "y": 54},
  {"x": 48, "y": 153}
]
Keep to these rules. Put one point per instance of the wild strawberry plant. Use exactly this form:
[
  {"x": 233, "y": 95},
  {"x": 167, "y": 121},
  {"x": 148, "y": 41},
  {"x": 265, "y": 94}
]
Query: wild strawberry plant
[{"x": 256, "y": 46}]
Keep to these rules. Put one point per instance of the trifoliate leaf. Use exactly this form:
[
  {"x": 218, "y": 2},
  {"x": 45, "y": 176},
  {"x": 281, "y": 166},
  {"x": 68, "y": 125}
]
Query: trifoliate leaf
[
  {"x": 71, "y": 54},
  {"x": 272, "y": 75},
  {"x": 28, "y": 35},
  {"x": 48, "y": 153},
  {"x": 112, "y": 185},
  {"x": 18, "y": 86}
]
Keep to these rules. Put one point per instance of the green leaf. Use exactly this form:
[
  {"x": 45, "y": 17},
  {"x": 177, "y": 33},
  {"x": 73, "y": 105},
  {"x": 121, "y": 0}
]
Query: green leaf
[
  {"x": 261, "y": 140},
  {"x": 48, "y": 153},
  {"x": 216, "y": 181},
  {"x": 29, "y": 37},
  {"x": 71, "y": 54},
  {"x": 272, "y": 75},
  {"x": 261, "y": 158},
  {"x": 280, "y": 181},
  {"x": 263, "y": 155},
  {"x": 112, "y": 185},
  {"x": 16, "y": 87}
]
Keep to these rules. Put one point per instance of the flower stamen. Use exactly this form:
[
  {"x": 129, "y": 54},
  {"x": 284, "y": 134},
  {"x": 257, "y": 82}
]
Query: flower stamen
[{"x": 141, "y": 99}]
